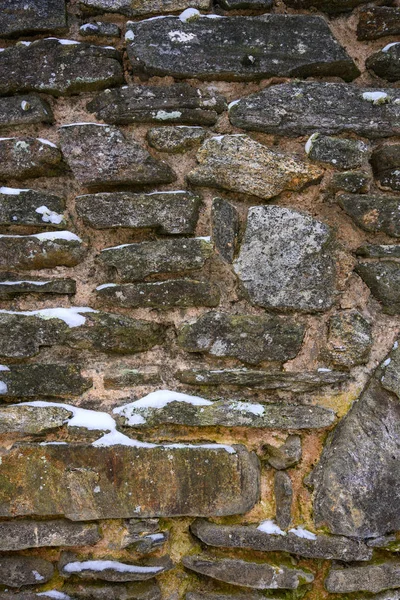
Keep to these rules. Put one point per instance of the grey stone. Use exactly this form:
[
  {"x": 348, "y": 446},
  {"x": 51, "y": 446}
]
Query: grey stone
[
  {"x": 260, "y": 576},
  {"x": 250, "y": 4},
  {"x": 379, "y": 251},
  {"x": 283, "y": 490},
  {"x": 349, "y": 339},
  {"x": 102, "y": 155},
  {"x": 18, "y": 535},
  {"x": 32, "y": 420},
  {"x": 373, "y": 213},
  {"x": 17, "y": 571},
  {"x": 24, "y": 109},
  {"x": 41, "y": 251},
  {"x": 19, "y": 16},
  {"x": 144, "y": 536},
  {"x": 140, "y": 590},
  {"x": 27, "y": 157},
  {"x": 249, "y": 595},
  {"x": 35, "y": 208},
  {"x": 332, "y": 7},
  {"x": 11, "y": 284},
  {"x": 132, "y": 481},
  {"x": 70, "y": 565},
  {"x": 225, "y": 228},
  {"x": 378, "y": 21},
  {"x": 352, "y": 182},
  {"x": 386, "y": 166},
  {"x": 368, "y": 578},
  {"x": 68, "y": 69},
  {"x": 176, "y": 103},
  {"x": 285, "y": 260},
  {"x": 383, "y": 279},
  {"x": 238, "y": 48},
  {"x": 382, "y": 541},
  {"x": 240, "y": 164},
  {"x": 262, "y": 380},
  {"x": 136, "y": 261},
  {"x": 100, "y": 29},
  {"x": 286, "y": 455},
  {"x": 386, "y": 62},
  {"x": 126, "y": 378},
  {"x": 249, "y": 338},
  {"x": 339, "y": 152},
  {"x": 134, "y": 8},
  {"x": 167, "y": 212},
  {"x": 177, "y": 139},
  {"x": 21, "y": 381},
  {"x": 249, "y": 537},
  {"x": 161, "y": 294},
  {"x": 303, "y": 108}
]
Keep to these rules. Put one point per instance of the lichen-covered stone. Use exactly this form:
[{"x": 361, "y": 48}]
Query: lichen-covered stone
[
  {"x": 283, "y": 490},
  {"x": 285, "y": 260},
  {"x": 161, "y": 294},
  {"x": 386, "y": 166},
  {"x": 339, "y": 152},
  {"x": 249, "y": 595},
  {"x": 99, "y": 29},
  {"x": 11, "y": 284},
  {"x": 70, "y": 565},
  {"x": 315, "y": 546},
  {"x": 131, "y": 479},
  {"x": 21, "y": 381},
  {"x": 373, "y": 213},
  {"x": 24, "y": 109},
  {"x": 32, "y": 420},
  {"x": 349, "y": 339},
  {"x": 102, "y": 155},
  {"x": 238, "y": 48},
  {"x": 260, "y": 576},
  {"x": 26, "y": 157},
  {"x": 249, "y": 338},
  {"x": 240, "y": 164},
  {"x": 250, "y": 4},
  {"x": 176, "y": 103},
  {"x": 368, "y": 578},
  {"x": 126, "y": 378},
  {"x": 167, "y": 212},
  {"x": 378, "y": 21},
  {"x": 135, "y": 8},
  {"x": 379, "y": 251},
  {"x": 332, "y": 7},
  {"x": 352, "y": 182},
  {"x": 175, "y": 139},
  {"x": 140, "y": 590},
  {"x": 136, "y": 261},
  {"x": 286, "y": 455},
  {"x": 144, "y": 536},
  {"x": 383, "y": 279},
  {"x": 386, "y": 62},
  {"x": 40, "y": 251},
  {"x": 17, "y": 571},
  {"x": 19, "y": 16},
  {"x": 18, "y": 535},
  {"x": 225, "y": 228},
  {"x": 31, "y": 207},
  {"x": 303, "y": 108}
]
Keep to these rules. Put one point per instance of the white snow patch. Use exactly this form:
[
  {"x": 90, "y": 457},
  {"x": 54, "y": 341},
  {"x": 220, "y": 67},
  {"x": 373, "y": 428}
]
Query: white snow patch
[
  {"x": 323, "y": 370},
  {"x": 189, "y": 13},
  {"x": 180, "y": 36},
  {"x": 93, "y": 420},
  {"x": 386, "y": 362},
  {"x": 88, "y": 26},
  {"x": 103, "y": 286},
  {"x": 84, "y": 123},
  {"x": 71, "y": 316},
  {"x": 4, "y": 368},
  {"x": 55, "y": 594},
  {"x": 129, "y": 35},
  {"x": 303, "y": 533},
  {"x": 49, "y": 216},
  {"x": 388, "y": 46},
  {"x": 25, "y": 105},
  {"x": 233, "y": 103},
  {"x": 163, "y": 115},
  {"x": 374, "y": 97},
  {"x": 57, "y": 235},
  {"x": 309, "y": 142},
  {"x": 21, "y": 282},
  {"x": 270, "y": 527},
  {"x": 12, "y": 191},
  {"x": 62, "y": 42},
  {"x": 37, "y": 575},
  {"x": 47, "y": 142},
  {"x": 255, "y": 409},
  {"x": 102, "y": 565},
  {"x": 3, "y": 387}
]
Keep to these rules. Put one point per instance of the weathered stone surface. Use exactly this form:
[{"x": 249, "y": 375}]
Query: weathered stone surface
[
  {"x": 167, "y": 212},
  {"x": 252, "y": 4},
  {"x": 41, "y": 251},
  {"x": 249, "y": 595},
  {"x": 176, "y": 103},
  {"x": 379, "y": 251},
  {"x": 126, "y": 378},
  {"x": 341, "y": 153},
  {"x": 24, "y": 109},
  {"x": 99, "y": 29},
  {"x": 386, "y": 166},
  {"x": 369, "y": 578},
  {"x": 349, "y": 339},
  {"x": 238, "y": 48},
  {"x": 285, "y": 260},
  {"x": 249, "y": 338},
  {"x": 102, "y": 155},
  {"x": 140, "y": 590},
  {"x": 19, "y": 17},
  {"x": 328, "y": 6},
  {"x": 21, "y": 158},
  {"x": 240, "y": 164},
  {"x": 70, "y": 565},
  {"x": 283, "y": 490},
  {"x": 134, "y": 8},
  {"x": 132, "y": 480},
  {"x": 386, "y": 62},
  {"x": 31, "y": 207},
  {"x": 317, "y": 546},
  {"x": 286, "y": 455},
  {"x": 378, "y": 21},
  {"x": 383, "y": 279},
  {"x": 32, "y": 420},
  {"x": 17, "y": 571},
  {"x": 19, "y": 381},
  {"x": 175, "y": 139},
  {"x": 304, "y": 108},
  {"x": 11, "y": 284},
  {"x": 144, "y": 536},
  {"x": 136, "y": 261},
  {"x": 18, "y": 535},
  {"x": 260, "y": 576},
  {"x": 262, "y": 380},
  {"x": 352, "y": 182},
  {"x": 225, "y": 228},
  {"x": 373, "y": 213},
  {"x": 69, "y": 68}
]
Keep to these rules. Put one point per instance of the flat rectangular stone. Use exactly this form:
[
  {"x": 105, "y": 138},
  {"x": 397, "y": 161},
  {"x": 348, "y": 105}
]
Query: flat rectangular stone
[
  {"x": 32, "y": 420},
  {"x": 131, "y": 480},
  {"x": 28, "y": 157},
  {"x": 378, "y": 21},
  {"x": 368, "y": 578},
  {"x": 24, "y": 381},
  {"x": 24, "y": 109},
  {"x": 140, "y": 590},
  {"x": 18, "y": 535},
  {"x": 20, "y": 16},
  {"x": 372, "y": 212},
  {"x": 126, "y": 378},
  {"x": 12, "y": 284},
  {"x": 35, "y": 208},
  {"x": 41, "y": 251},
  {"x": 134, "y": 8}
]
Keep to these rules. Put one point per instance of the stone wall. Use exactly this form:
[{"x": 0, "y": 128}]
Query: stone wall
[{"x": 200, "y": 290}]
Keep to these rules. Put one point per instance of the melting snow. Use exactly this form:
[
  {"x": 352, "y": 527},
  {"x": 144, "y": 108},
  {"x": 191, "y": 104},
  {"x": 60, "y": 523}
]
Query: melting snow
[
  {"x": 71, "y": 316},
  {"x": 374, "y": 97},
  {"x": 388, "y": 46},
  {"x": 49, "y": 216},
  {"x": 303, "y": 533},
  {"x": 102, "y": 565},
  {"x": 47, "y": 142},
  {"x": 270, "y": 527},
  {"x": 12, "y": 191},
  {"x": 255, "y": 409}
]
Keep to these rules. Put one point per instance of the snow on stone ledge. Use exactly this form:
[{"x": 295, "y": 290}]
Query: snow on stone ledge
[{"x": 71, "y": 316}]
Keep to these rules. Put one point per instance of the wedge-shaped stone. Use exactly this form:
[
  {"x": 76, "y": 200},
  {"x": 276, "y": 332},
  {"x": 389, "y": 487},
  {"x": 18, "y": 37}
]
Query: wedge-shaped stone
[
  {"x": 11, "y": 284},
  {"x": 373, "y": 213},
  {"x": 21, "y": 381},
  {"x": 379, "y": 251},
  {"x": 304, "y": 108},
  {"x": 249, "y": 338},
  {"x": 100, "y": 29},
  {"x": 332, "y": 7},
  {"x": 32, "y": 420},
  {"x": 131, "y": 479},
  {"x": 18, "y": 535},
  {"x": 167, "y": 212},
  {"x": 314, "y": 546},
  {"x": 386, "y": 62},
  {"x": 24, "y": 109},
  {"x": 41, "y": 250},
  {"x": 349, "y": 339},
  {"x": 386, "y": 166},
  {"x": 140, "y": 590},
  {"x": 260, "y": 576},
  {"x": 102, "y": 155},
  {"x": 369, "y": 578},
  {"x": 240, "y": 164},
  {"x": 128, "y": 377},
  {"x": 352, "y": 182},
  {"x": 383, "y": 279},
  {"x": 238, "y": 48},
  {"x": 339, "y": 152},
  {"x": 225, "y": 228},
  {"x": 378, "y": 21},
  {"x": 176, "y": 103},
  {"x": 285, "y": 261},
  {"x": 112, "y": 570},
  {"x": 25, "y": 157},
  {"x": 136, "y": 261},
  {"x": 17, "y": 571},
  {"x": 134, "y": 8},
  {"x": 70, "y": 67},
  {"x": 175, "y": 140},
  {"x": 31, "y": 207},
  {"x": 19, "y": 16},
  {"x": 262, "y": 380}
]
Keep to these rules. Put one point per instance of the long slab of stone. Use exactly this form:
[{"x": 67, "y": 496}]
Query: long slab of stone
[
  {"x": 36, "y": 208},
  {"x": 24, "y": 381},
  {"x": 41, "y": 251},
  {"x": 18, "y": 535},
  {"x": 134, "y": 8}
]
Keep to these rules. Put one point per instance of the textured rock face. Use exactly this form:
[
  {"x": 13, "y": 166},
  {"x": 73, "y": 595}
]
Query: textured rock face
[
  {"x": 371, "y": 578},
  {"x": 127, "y": 378},
  {"x": 240, "y": 164},
  {"x": 225, "y": 228},
  {"x": 19, "y": 16},
  {"x": 100, "y": 29},
  {"x": 11, "y": 284},
  {"x": 23, "y": 570},
  {"x": 283, "y": 490},
  {"x": 35, "y": 534},
  {"x": 21, "y": 158},
  {"x": 31, "y": 207},
  {"x": 328, "y": 6},
  {"x": 40, "y": 251},
  {"x": 284, "y": 456},
  {"x": 386, "y": 166},
  {"x": 237, "y": 48},
  {"x": 352, "y": 182},
  {"x": 340, "y": 153},
  {"x": 175, "y": 139},
  {"x": 285, "y": 261},
  {"x": 349, "y": 339},
  {"x": 24, "y": 109},
  {"x": 378, "y": 21},
  {"x": 32, "y": 420},
  {"x": 112, "y": 570},
  {"x": 383, "y": 279},
  {"x": 20, "y": 381},
  {"x": 373, "y": 213},
  {"x": 252, "y": 4},
  {"x": 143, "y": 590},
  {"x": 386, "y": 62},
  {"x": 134, "y": 8},
  {"x": 311, "y": 107}
]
